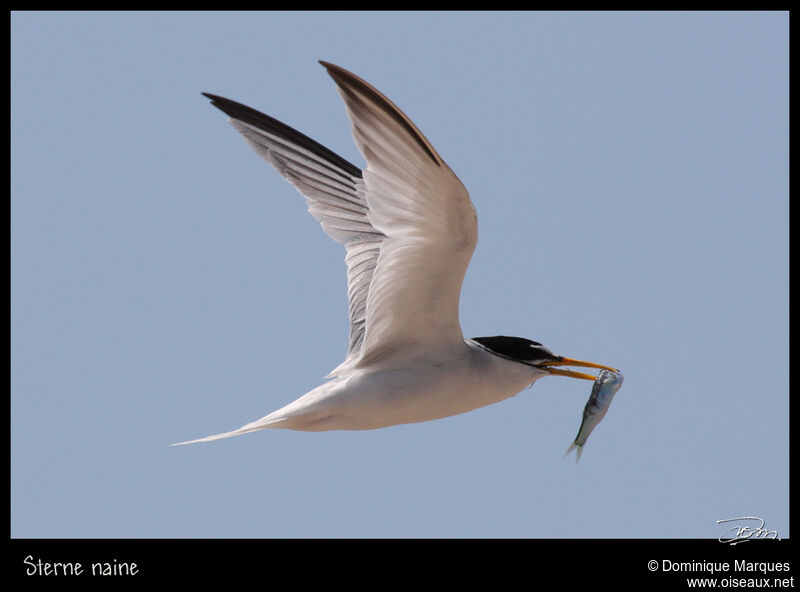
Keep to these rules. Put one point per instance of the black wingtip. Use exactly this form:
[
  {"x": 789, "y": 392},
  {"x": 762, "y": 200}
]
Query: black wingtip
[
  {"x": 220, "y": 102},
  {"x": 216, "y": 100},
  {"x": 251, "y": 116},
  {"x": 337, "y": 72},
  {"x": 349, "y": 82},
  {"x": 235, "y": 109}
]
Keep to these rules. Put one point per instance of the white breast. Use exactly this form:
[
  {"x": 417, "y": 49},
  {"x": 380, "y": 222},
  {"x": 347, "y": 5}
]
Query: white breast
[{"x": 405, "y": 389}]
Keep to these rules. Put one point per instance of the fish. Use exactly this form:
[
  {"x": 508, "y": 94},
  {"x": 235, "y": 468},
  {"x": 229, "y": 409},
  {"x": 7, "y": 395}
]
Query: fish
[{"x": 604, "y": 388}]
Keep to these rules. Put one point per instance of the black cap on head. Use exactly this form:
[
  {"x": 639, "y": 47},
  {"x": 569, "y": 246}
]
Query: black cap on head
[{"x": 517, "y": 348}]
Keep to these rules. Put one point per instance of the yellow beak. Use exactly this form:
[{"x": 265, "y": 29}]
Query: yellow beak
[{"x": 572, "y": 373}]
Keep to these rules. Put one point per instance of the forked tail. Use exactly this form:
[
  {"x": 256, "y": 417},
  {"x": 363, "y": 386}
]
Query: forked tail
[
  {"x": 261, "y": 424},
  {"x": 578, "y": 449}
]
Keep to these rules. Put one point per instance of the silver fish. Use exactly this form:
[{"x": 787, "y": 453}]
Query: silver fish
[{"x": 605, "y": 387}]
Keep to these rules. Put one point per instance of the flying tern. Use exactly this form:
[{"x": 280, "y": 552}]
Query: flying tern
[{"x": 409, "y": 229}]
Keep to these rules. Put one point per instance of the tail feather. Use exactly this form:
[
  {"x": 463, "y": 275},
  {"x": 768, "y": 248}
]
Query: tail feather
[{"x": 261, "y": 424}]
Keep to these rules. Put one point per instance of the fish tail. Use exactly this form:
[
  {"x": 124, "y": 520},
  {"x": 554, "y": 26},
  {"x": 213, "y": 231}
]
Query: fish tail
[{"x": 578, "y": 451}]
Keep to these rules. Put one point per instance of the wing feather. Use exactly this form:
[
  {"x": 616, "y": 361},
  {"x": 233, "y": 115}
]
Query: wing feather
[
  {"x": 424, "y": 211},
  {"x": 334, "y": 191},
  {"x": 406, "y": 221}
]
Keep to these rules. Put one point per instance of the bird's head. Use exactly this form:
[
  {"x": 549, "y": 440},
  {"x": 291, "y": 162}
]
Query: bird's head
[{"x": 533, "y": 353}]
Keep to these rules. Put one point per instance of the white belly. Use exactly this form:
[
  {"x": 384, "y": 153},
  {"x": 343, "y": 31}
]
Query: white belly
[{"x": 407, "y": 391}]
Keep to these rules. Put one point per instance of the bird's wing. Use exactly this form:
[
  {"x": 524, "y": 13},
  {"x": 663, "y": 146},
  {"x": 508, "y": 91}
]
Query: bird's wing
[
  {"x": 334, "y": 190},
  {"x": 429, "y": 225}
]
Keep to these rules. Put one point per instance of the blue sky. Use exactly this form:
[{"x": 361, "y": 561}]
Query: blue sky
[{"x": 630, "y": 173}]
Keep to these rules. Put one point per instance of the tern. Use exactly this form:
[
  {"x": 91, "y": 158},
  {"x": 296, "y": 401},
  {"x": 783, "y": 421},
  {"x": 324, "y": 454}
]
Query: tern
[{"x": 409, "y": 229}]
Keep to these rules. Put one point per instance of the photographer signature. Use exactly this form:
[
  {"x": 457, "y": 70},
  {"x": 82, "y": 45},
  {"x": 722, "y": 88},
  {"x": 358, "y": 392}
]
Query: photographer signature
[{"x": 744, "y": 531}]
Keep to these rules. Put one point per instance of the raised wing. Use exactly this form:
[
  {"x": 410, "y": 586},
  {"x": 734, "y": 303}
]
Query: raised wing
[
  {"x": 334, "y": 190},
  {"x": 424, "y": 212}
]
